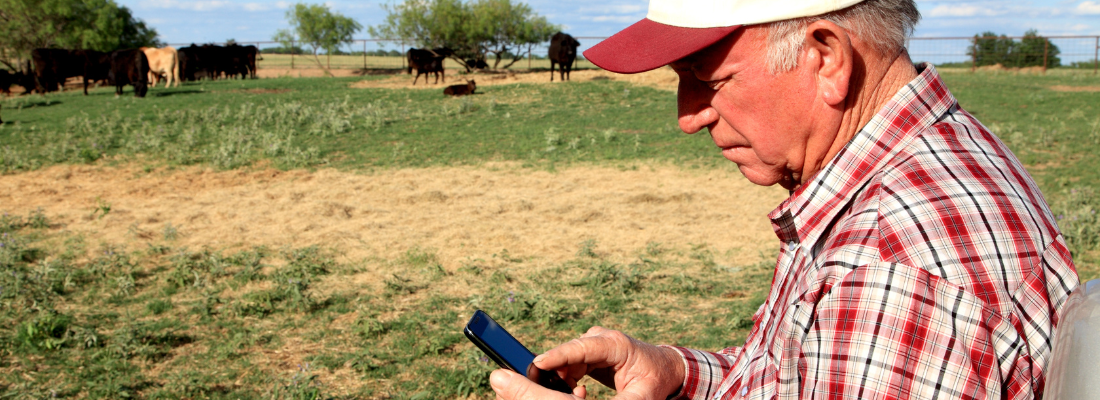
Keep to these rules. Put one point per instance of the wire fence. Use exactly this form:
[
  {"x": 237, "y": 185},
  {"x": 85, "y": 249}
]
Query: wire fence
[
  {"x": 383, "y": 54},
  {"x": 1004, "y": 52},
  {"x": 1079, "y": 53}
]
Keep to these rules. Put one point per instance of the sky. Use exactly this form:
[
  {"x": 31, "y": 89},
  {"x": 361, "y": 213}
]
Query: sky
[{"x": 199, "y": 21}]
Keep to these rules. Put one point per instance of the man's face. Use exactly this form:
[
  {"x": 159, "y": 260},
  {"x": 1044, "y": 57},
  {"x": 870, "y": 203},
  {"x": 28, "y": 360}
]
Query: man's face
[{"x": 761, "y": 121}]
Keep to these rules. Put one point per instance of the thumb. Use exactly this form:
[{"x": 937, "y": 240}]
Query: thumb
[{"x": 512, "y": 386}]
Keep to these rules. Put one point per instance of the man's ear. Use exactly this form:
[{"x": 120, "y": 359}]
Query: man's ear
[{"x": 828, "y": 51}]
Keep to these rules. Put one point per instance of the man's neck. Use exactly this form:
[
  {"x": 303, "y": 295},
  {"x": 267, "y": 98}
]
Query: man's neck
[{"x": 873, "y": 85}]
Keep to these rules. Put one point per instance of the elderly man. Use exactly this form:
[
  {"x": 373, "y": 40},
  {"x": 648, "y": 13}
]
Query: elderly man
[{"x": 917, "y": 259}]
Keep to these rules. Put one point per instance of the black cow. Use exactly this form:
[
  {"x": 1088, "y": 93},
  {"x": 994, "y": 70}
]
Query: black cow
[
  {"x": 129, "y": 67},
  {"x": 476, "y": 64},
  {"x": 563, "y": 51},
  {"x": 428, "y": 61},
  {"x": 52, "y": 67},
  {"x": 96, "y": 65},
  {"x": 6, "y": 80},
  {"x": 251, "y": 53},
  {"x": 188, "y": 63}
]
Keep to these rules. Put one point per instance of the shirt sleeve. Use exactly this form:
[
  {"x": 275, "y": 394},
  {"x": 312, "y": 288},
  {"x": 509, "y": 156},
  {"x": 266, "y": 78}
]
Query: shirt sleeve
[
  {"x": 892, "y": 331},
  {"x": 704, "y": 371}
]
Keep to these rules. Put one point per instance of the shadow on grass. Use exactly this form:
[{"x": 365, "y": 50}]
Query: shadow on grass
[
  {"x": 35, "y": 103},
  {"x": 172, "y": 93}
]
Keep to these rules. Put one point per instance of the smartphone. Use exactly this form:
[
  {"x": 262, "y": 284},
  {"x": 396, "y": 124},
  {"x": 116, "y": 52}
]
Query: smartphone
[{"x": 508, "y": 352}]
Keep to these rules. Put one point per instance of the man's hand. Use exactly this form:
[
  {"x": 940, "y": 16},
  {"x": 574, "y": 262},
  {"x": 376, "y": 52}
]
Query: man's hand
[{"x": 637, "y": 370}]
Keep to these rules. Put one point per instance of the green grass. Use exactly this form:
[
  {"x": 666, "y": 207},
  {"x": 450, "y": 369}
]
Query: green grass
[
  {"x": 91, "y": 320},
  {"x": 315, "y": 122}
]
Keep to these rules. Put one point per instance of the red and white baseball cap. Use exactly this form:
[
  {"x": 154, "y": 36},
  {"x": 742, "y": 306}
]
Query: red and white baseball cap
[{"x": 675, "y": 28}]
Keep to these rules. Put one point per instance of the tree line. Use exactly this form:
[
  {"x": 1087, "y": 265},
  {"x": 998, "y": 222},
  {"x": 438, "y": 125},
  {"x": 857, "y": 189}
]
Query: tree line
[
  {"x": 476, "y": 30},
  {"x": 1032, "y": 50},
  {"x": 101, "y": 25}
]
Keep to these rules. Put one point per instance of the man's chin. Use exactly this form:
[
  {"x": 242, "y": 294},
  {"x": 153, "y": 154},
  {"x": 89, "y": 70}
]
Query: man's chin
[{"x": 767, "y": 178}]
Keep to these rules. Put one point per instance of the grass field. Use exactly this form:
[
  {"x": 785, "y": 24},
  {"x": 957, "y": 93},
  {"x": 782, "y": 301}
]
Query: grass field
[{"x": 552, "y": 207}]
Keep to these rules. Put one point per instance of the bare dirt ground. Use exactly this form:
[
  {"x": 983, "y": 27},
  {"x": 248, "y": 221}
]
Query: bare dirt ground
[
  {"x": 462, "y": 213},
  {"x": 662, "y": 78},
  {"x": 1067, "y": 88}
]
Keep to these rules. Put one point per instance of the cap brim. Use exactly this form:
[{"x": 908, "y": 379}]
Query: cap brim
[{"x": 648, "y": 45}]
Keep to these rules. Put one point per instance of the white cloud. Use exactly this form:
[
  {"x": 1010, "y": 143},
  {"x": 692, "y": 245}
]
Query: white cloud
[
  {"x": 962, "y": 10},
  {"x": 612, "y": 9},
  {"x": 1088, "y": 8},
  {"x": 613, "y": 18},
  {"x": 255, "y": 7},
  {"x": 202, "y": 5}
]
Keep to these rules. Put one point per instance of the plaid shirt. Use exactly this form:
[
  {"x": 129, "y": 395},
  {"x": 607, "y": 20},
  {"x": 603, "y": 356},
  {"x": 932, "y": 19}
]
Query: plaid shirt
[{"x": 921, "y": 263}]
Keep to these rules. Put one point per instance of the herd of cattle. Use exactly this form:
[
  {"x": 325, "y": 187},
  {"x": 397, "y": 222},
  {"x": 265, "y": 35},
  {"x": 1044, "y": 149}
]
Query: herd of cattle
[
  {"x": 134, "y": 67},
  {"x": 563, "y": 51},
  {"x": 144, "y": 66}
]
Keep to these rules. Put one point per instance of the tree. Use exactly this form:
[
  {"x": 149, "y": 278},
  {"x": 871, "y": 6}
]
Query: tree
[
  {"x": 72, "y": 24},
  {"x": 320, "y": 28},
  {"x": 474, "y": 30},
  {"x": 1031, "y": 49},
  {"x": 991, "y": 49}
]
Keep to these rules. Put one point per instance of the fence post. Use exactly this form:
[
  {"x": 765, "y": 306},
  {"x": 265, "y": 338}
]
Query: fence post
[
  {"x": 1096, "y": 56},
  {"x": 974, "y": 55},
  {"x": 528, "y": 57},
  {"x": 1046, "y": 49},
  {"x": 364, "y": 54},
  {"x": 292, "y": 47}
]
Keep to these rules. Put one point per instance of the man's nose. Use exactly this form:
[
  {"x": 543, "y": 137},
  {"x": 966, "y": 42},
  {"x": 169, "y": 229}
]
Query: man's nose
[{"x": 693, "y": 104}]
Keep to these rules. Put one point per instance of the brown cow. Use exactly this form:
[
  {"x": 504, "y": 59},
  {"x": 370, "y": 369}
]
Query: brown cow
[
  {"x": 163, "y": 61},
  {"x": 460, "y": 90}
]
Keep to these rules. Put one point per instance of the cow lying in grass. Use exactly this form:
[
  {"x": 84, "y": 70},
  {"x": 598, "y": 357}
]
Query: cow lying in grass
[{"x": 461, "y": 90}]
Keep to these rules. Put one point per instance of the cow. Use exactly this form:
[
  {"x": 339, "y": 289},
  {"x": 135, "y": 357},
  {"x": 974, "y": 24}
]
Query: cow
[
  {"x": 563, "y": 51},
  {"x": 460, "y": 90},
  {"x": 476, "y": 64},
  {"x": 428, "y": 61},
  {"x": 163, "y": 61},
  {"x": 95, "y": 65},
  {"x": 129, "y": 67},
  {"x": 251, "y": 53},
  {"x": 6, "y": 80},
  {"x": 52, "y": 67},
  {"x": 189, "y": 60}
]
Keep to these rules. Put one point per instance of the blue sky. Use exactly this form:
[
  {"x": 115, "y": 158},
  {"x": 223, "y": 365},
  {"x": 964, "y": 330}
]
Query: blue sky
[{"x": 183, "y": 21}]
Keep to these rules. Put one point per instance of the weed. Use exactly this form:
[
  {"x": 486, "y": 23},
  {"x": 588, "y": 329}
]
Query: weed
[
  {"x": 49, "y": 330},
  {"x": 170, "y": 232},
  {"x": 37, "y": 219},
  {"x": 10, "y": 223},
  {"x": 157, "y": 307},
  {"x": 301, "y": 386},
  {"x": 588, "y": 249},
  {"x": 102, "y": 208},
  {"x": 1075, "y": 210}
]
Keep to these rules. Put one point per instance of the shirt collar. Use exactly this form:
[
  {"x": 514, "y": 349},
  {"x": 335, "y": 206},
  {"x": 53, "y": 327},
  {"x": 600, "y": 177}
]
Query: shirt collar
[{"x": 809, "y": 211}]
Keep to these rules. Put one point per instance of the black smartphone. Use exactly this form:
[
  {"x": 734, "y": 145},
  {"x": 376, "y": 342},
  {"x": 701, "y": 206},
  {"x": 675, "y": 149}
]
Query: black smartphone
[{"x": 508, "y": 352}]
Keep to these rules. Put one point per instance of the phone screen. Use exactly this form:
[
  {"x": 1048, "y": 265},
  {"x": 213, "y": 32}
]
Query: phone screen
[{"x": 508, "y": 352}]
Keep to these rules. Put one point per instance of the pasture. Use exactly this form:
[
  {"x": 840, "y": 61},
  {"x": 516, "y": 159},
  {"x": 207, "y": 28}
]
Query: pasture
[{"x": 327, "y": 237}]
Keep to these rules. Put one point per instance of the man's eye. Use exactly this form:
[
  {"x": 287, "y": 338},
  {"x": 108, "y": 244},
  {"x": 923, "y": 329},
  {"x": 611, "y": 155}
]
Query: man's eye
[{"x": 716, "y": 84}]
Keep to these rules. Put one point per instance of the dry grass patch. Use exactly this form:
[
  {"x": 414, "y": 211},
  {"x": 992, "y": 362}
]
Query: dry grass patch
[
  {"x": 661, "y": 78},
  {"x": 464, "y": 213}
]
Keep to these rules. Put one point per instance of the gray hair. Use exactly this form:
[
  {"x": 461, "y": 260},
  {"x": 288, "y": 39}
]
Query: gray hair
[{"x": 884, "y": 24}]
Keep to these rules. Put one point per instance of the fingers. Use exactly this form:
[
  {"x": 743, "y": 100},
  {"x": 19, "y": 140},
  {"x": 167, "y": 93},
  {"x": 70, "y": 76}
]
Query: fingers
[
  {"x": 509, "y": 385},
  {"x": 597, "y": 348}
]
